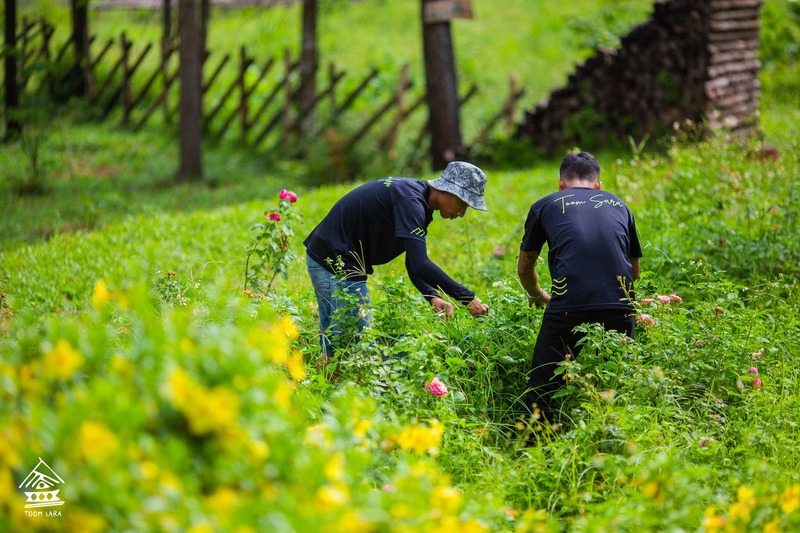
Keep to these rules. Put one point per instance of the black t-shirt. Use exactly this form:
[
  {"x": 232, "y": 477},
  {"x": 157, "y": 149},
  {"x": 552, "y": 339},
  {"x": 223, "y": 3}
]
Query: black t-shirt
[
  {"x": 591, "y": 236},
  {"x": 375, "y": 223}
]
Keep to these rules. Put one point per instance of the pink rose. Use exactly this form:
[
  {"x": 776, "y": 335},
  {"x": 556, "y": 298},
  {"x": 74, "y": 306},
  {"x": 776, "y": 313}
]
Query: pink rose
[
  {"x": 275, "y": 217},
  {"x": 757, "y": 383},
  {"x": 675, "y": 298},
  {"x": 289, "y": 196},
  {"x": 647, "y": 301},
  {"x": 664, "y": 299},
  {"x": 436, "y": 387},
  {"x": 646, "y": 320},
  {"x": 753, "y": 370}
]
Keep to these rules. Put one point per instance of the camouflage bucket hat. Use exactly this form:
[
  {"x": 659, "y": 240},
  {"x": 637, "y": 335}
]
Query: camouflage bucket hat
[{"x": 466, "y": 181}]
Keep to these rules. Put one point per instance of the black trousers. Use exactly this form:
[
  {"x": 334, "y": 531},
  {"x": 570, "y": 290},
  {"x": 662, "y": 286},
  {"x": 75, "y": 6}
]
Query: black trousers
[{"x": 556, "y": 339}]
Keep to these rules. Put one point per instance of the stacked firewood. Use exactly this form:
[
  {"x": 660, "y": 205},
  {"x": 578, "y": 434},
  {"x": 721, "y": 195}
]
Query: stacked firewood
[{"x": 693, "y": 60}]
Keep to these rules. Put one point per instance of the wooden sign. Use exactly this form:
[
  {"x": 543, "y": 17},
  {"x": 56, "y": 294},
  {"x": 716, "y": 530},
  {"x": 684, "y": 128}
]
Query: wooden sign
[{"x": 445, "y": 10}]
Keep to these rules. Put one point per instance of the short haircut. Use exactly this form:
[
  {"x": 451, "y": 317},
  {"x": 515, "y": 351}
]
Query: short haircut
[{"x": 579, "y": 166}]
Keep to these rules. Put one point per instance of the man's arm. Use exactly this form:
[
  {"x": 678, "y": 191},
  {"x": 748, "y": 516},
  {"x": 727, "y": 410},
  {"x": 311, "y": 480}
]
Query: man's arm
[
  {"x": 425, "y": 275},
  {"x": 635, "y": 267},
  {"x": 526, "y": 270}
]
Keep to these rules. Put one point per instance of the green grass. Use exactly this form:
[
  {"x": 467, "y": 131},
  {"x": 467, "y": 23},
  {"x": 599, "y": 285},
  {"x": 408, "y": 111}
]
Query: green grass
[{"x": 667, "y": 433}]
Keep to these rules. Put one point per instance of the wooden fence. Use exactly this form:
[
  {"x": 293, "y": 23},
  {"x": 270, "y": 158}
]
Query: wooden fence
[{"x": 255, "y": 106}]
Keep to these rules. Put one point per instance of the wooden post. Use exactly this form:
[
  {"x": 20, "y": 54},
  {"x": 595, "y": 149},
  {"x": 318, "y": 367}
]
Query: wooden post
[
  {"x": 287, "y": 106},
  {"x": 11, "y": 94},
  {"x": 442, "y": 90},
  {"x": 44, "y": 53},
  {"x": 390, "y": 140},
  {"x": 244, "y": 63},
  {"x": 331, "y": 76},
  {"x": 308, "y": 67},
  {"x": 191, "y": 105},
  {"x": 80, "y": 42},
  {"x": 126, "y": 79},
  {"x": 166, "y": 52}
]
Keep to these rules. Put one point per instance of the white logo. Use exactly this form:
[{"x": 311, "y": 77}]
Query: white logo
[{"x": 42, "y": 479}]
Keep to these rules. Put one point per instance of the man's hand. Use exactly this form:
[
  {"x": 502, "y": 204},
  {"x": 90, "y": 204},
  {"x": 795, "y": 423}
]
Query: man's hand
[
  {"x": 441, "y": 306},
  {"x": 476, "y": 308},
  {"x": 539, "y": 300}
]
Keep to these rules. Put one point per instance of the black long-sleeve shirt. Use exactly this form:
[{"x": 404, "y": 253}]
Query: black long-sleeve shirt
[{"x": 377, "y": 222}]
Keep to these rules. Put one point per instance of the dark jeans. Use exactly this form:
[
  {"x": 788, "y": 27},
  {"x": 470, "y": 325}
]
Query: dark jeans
[{"x": 556, "y": 339}]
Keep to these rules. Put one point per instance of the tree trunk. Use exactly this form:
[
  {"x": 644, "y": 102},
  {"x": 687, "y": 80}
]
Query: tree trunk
[
  {"x": 13, "y": 126},
  {"x": 442, "y": 93},
  {"x": 191, "y": 93},
  {"x": 308, "y": 64},
  {"x": 205, "y": 13},
  {"x": 167, "y": 41},
  {"x": 80, "y": 36}
]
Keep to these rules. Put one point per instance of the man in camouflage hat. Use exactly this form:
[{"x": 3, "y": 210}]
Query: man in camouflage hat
[{"x": 375, "y": 223}]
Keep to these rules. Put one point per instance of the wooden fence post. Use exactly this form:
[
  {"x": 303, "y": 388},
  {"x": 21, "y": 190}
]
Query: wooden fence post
[
  {"x": 44, "y": 54},
  {"x": 92, "y": 91},
  {"x": 244, "y": 63},
  {"x": 287, "y": 105},
  {"x": 389, "y": 140},
  {"x": 125, "y": 88},
  {"x": 507, "y": 112}
]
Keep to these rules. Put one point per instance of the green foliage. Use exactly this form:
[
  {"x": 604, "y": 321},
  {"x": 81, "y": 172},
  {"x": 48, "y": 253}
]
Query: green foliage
[
  {"x": 269, "y": 248},
  {"x": 168, "y": 401}
]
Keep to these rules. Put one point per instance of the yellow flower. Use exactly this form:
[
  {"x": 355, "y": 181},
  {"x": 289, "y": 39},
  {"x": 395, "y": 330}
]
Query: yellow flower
[
  {"x": 362, "y": 426},
  {"x": 124, "y": 368},
  {"x": 259, "y": 450},
  {"x": 331, "y": 497},
  {"x": 223, "y": 501},
  {"x": 180, "y": 389},
  {"x": 96, "y": 442},
  {"x": 790, "y": 499},
  {"x": 400, "y": 510},
  {"x": 334, "y": 468},
  {"x": 212, "y": 410},
  {"x": 712, "y": 522},
  {"x": 740, "y": 510},
  {"x": 170, "y": 483},
  {"x": 651, "y": 489},
  {"x": 272, "y": 342},
  {"x": 149, "y": 469},
  {"x": 62, "y": 361},
  {"x": 84, "y": 521},
  {"x": 200, "y": 528},
  {"x": 318, "y": 435},
  {"x": 772, "y": 527},
  {"x": 294, "y": 363},
  {"x": 289, "y": 329},
  {"x": 10, "y": 442},
  {"x": 471, "y": 525},
  {"x": 101, "y": 295},
  {"x": 351, "y": 522},
  {"x": 447, "y": 498},
  {"x": 8, "y": 490},
  {"x": 187, "y": 345},
  {"x": 283, "y": 393},
  {"x": 421, "y": 439}
]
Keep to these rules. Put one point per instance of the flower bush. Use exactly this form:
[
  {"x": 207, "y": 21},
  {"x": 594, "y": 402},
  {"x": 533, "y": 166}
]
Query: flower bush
[
  {"x": 270, "y": 248},
  {"x": 166, "y": 427}
]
